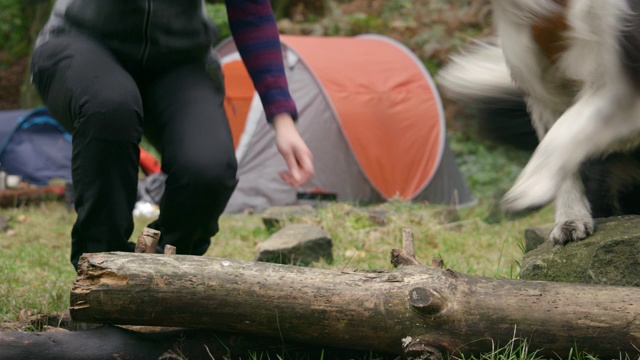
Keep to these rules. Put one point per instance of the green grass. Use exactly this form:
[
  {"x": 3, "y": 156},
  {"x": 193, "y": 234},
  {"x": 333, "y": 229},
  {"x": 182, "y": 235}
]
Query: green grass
[
  {"x": 37, "y": 276},
  {"x": 34, "y": 267}
]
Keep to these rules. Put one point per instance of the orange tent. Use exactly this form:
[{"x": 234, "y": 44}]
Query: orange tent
[{"x": 369, "y": 112}]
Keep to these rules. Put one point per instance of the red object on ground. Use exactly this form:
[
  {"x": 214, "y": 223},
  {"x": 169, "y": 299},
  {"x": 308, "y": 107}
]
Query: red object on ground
[{"x": 148, "y": 163}]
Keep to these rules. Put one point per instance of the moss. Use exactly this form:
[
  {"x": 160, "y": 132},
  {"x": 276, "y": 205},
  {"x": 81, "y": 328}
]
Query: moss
[{"x": 610, "y": 256}]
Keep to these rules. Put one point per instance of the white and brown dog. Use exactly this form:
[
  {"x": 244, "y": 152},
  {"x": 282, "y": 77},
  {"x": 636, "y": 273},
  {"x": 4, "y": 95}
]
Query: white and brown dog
[{"x": 577, "y": 65}]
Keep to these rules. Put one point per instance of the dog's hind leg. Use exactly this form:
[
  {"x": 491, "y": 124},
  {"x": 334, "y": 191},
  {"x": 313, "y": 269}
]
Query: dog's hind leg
[{"x": 597, "y": 122}]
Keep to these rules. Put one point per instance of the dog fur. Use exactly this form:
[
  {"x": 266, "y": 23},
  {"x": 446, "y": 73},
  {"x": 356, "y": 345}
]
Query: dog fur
[{"x": 576, "y": 65}]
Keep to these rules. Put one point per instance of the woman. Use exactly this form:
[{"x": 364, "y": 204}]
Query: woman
[{"x": 113, "y": 71}]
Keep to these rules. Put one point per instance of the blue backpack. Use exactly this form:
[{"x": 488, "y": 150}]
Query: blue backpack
[{"x": 34, "y": 146}]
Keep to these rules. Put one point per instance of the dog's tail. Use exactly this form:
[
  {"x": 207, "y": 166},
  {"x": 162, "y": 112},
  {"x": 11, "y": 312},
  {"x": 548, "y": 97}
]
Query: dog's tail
[{"x": 480, "y": 78}]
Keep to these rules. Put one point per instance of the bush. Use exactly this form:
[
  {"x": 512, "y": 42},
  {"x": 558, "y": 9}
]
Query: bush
[
  {"x": 14, "y": 28},
  {"x": 218, "y": 13}
]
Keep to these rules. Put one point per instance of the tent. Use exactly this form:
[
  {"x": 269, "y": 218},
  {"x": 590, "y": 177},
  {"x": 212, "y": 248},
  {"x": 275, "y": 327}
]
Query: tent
[
  {"x": 368, "y": 110},
  {"x": 34, "y": 146}
]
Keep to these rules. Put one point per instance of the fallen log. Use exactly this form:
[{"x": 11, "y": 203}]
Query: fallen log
[
  {"x": 27, "y": 196},
  {"x": 101, "y": 343},
  {"x": 414, "y": 310},
  {"x": 113, "y": 342}
]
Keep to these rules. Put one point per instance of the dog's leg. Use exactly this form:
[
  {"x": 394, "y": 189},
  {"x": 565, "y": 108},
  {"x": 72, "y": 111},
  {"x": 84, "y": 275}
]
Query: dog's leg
[
  {"x": 598, "y": 120},
  {"x": 573, "y": 214},
  {"x": 573, "y": 220}
]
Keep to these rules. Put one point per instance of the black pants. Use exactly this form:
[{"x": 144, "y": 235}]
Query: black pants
[{"x": 108, "y": 104}]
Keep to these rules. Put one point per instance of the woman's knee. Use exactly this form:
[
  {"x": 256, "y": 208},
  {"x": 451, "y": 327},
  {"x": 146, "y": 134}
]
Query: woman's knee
[
  {"x": 216, "y": 174},
  {"x": 109, "y": 115}
]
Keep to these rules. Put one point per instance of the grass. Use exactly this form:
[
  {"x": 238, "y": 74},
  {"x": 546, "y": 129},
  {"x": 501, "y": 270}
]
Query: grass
[
  {"x": 37, "y": 276},
  {"x": 469, "y": 245},
  {"x": 34, "y": 267}
]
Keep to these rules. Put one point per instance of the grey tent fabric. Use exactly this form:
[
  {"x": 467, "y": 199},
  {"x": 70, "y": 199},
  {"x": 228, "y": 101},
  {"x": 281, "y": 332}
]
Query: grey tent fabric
[{"x": 336, "y": 168}]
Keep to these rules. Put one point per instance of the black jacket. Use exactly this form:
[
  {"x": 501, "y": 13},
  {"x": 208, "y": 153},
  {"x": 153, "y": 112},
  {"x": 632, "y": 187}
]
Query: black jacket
[{"x": 136, "y": 30}]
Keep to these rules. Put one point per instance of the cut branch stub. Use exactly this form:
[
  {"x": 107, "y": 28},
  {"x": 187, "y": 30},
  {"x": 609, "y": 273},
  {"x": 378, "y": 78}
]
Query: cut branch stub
[
  {"x": 407, "y": 242},
  {"x": 169, "y": 249},
  {"x": 406, "y": 255},
  {"x": 426, "y": 301},
  {"x": 147, "y": 241},
  {"x": 436, "y": 262}
]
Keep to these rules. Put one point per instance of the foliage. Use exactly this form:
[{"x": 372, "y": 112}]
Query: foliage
[
  {"x": 218, "y": 13},
  {"x": 14, "y": 28},
  {"x": 430, "y": 28},
  {"x": 488, "y": 168}
]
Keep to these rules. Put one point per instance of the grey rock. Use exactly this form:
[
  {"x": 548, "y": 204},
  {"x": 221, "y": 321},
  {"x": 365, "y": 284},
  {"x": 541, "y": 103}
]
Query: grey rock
[
  {"x": 378, "y": 216},
  {"x": 275, "y": 216},
  {"x": 447, "y": 215},
  {"x": 535, "y": 236},
  {"x": 4, "y": 224},
  {"x": 611, "y": 256},
  {"x": 296, "y": 245}
]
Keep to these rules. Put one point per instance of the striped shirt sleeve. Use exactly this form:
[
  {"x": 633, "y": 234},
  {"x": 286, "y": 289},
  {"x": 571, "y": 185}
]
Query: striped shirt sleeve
[{"x": 255, "y": 32}]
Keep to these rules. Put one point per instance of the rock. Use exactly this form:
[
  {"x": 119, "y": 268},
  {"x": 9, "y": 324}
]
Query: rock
[
  {"x": 274, "y": 217},
  {"x": 535, "y": 236},
  {"x": 611, "y": 256},
  {"x": 378, "y": 216},
  {"x": 4, "y": 224},
  {"x": 296, "y": 245},
  {"x": 447, "y": 215}
]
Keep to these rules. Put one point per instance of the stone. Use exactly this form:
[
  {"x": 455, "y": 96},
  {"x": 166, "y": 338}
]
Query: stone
[
  {"x": 296, "y": 244},
  {"x": 611, "y": 256},
  {"x": 4, "y": 224},
  {"x": 447, "y": 215},
  {"x": 535, "y": 236},
  {"x": 275, "y": 216},
  {"x": 378, "y": 216}
]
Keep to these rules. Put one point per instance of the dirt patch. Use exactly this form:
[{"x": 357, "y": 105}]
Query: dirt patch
[{"x": 11, "y": 77}]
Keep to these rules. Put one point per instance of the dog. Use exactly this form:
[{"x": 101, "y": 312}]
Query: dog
[{"x": 576, "y": 66}]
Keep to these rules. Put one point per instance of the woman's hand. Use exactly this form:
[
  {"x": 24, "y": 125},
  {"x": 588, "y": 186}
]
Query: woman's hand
[{"x": 294, "y": 151}]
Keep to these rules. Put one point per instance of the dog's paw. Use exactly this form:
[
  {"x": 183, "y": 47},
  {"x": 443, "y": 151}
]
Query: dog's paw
[{"x": 571, "y": 230}]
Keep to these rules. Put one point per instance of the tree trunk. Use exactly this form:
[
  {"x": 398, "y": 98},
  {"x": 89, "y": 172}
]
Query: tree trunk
[
  {"x": 114, "y": 342},
  {"x": 411, "y": 309},
  {"x": 38, "y": 13}
]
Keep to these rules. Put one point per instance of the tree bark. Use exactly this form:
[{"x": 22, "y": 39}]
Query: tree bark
[
  {"x": 38, "y": 13},
  {"x": 414, "y": 310},
  {"x": 114, "y": 342}
]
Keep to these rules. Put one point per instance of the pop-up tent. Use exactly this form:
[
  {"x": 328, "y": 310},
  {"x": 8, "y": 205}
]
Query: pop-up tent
[
  {"x": 369, "y": 112},
  {"x": 34, "y": 146}
]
